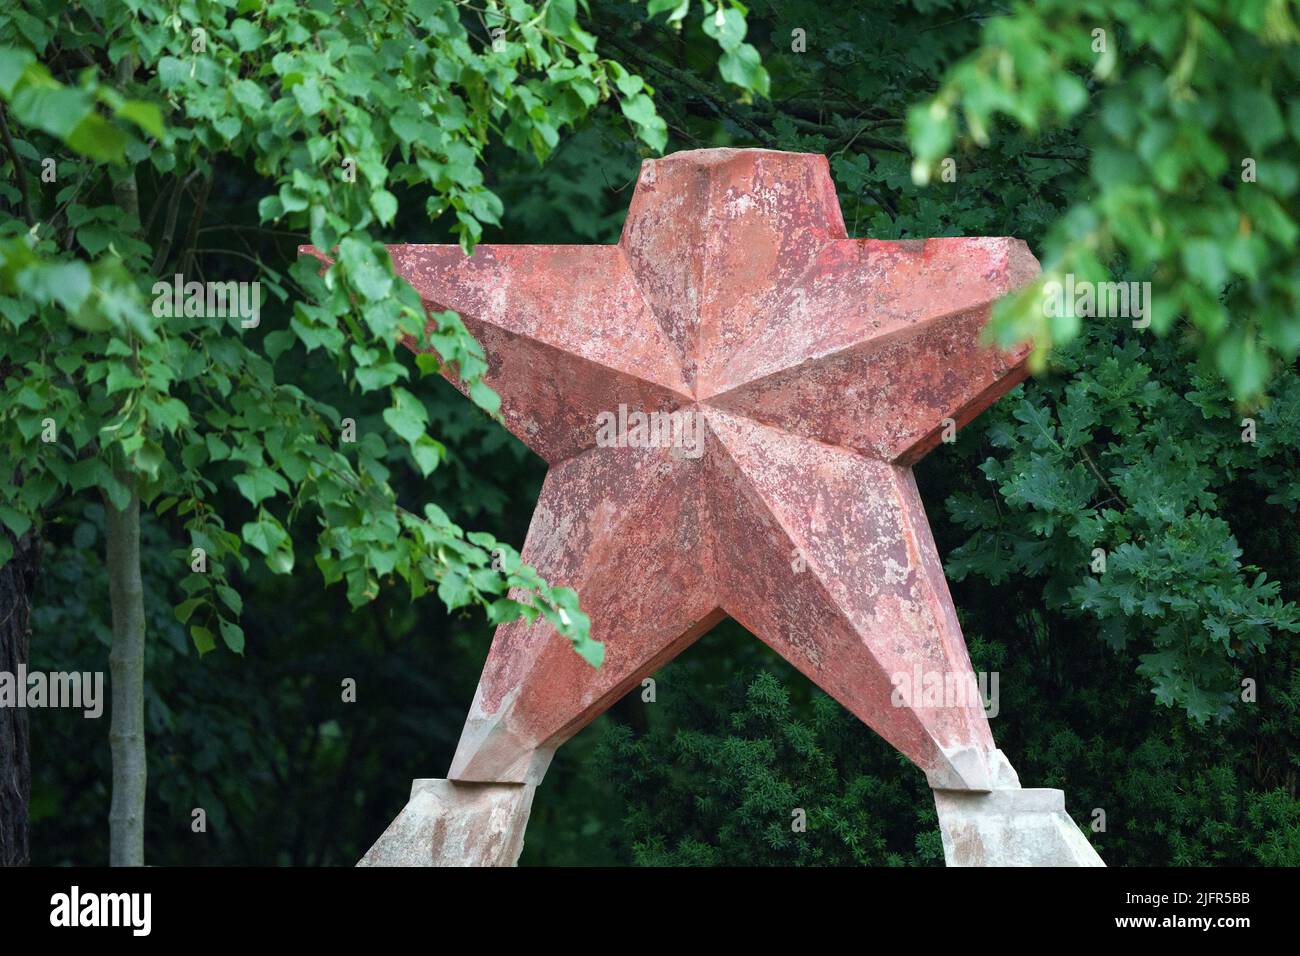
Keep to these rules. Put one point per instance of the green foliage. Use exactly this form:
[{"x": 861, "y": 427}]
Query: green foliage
[
  {"x": 1131, "y": 449},
  {"x": 1198, "y": 517},
  {"x": 1192, "y": 128},
  {"x": 740, "y": 63},
  {"x": 715, "y": 776},
  {"x": 238, "y": 735},
  {"x": 721, "y": 776},
  {"x": 333, "y": 107},
  {"x": 1174, "y": 792}
]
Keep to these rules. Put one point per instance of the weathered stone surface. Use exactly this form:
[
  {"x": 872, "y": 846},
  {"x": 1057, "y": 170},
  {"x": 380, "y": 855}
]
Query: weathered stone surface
[
  {"x": 819, "y": 369},
  {"x": 1010, "y": 828},
  {"x": 446, "y": 823}
]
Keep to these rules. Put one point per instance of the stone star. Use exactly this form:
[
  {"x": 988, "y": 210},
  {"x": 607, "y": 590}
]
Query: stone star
[{"x": 819, "y": 369}]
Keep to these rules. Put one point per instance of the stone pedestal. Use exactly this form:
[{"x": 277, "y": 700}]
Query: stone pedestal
[
  {"x": 1012, "y": 827},
  {"x": 453, "y": 823},
  {"x": 448, "y": 823}
]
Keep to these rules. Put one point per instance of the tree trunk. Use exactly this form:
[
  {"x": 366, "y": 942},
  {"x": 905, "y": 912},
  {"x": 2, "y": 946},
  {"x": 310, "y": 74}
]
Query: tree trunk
[
  {"x": 126, "y": 671},
  {"x": 16, "y": 581},
  {"x": 126, "y": 595}
]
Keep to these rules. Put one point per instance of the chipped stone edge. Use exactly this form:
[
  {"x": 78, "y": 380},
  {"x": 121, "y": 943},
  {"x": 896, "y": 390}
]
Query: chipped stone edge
[{"x": 453, "y": 823}]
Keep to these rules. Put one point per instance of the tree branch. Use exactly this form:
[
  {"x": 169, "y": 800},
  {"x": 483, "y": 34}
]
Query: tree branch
[
  {"x": 20, "y": 170},
  {"x": 192, "y": 236},
  {"x": 716, "y": 100},
  {"x": 169, "y": 227}
]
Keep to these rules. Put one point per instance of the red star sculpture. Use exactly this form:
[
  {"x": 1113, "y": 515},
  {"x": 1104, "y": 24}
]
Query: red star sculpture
[{"x": 808, "y": 372}]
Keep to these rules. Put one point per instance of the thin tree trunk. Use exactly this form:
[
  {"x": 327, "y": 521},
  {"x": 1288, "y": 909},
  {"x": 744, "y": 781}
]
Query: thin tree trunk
[
  {"x": 126, "y": 670},
  {"x": 17, "y": 579},
  {"x": 126, "y": 596}
]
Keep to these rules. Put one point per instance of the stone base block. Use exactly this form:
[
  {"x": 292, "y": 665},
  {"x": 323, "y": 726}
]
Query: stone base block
[
  {"x": 449, "y": 823},
  {"x": 1010, "y": 827}
]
